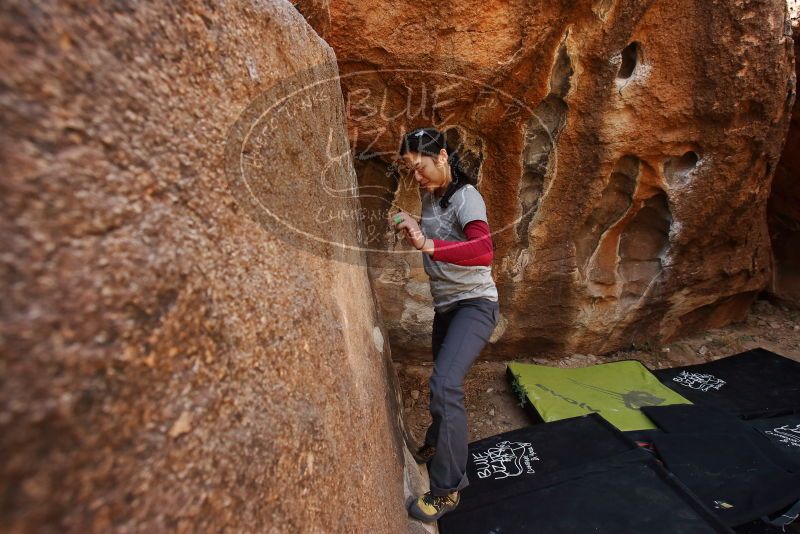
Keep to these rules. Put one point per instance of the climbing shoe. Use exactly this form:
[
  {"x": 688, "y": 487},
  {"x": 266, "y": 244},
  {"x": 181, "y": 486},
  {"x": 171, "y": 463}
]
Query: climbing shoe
[
  {"x": 424, "y": 454},
  {"x": 429, "y": 507}
]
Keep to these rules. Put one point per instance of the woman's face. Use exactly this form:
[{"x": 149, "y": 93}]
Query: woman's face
[{"x": 426, "y": 171}]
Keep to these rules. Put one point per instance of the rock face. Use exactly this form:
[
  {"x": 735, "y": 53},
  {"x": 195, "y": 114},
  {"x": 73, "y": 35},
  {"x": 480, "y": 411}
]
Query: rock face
[
  {"x": 625, "y": 151},
  {"x": 168, "y": 363},
  {"x": 784, "y": 210}
]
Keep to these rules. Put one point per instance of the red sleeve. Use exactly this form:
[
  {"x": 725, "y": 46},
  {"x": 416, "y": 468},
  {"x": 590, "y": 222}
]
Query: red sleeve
[{"x": 477, "y": 250}]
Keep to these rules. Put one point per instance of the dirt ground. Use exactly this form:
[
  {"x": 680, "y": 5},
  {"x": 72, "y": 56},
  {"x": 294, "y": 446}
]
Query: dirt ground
[{"x": 493, "y": 408}]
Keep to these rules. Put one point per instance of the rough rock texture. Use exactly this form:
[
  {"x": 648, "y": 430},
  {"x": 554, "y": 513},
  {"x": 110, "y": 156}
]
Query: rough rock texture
[
  {"x": 167, "y": 362},
  {"x": 784, "y": 209},
  {"x": 625, "y": 149}
]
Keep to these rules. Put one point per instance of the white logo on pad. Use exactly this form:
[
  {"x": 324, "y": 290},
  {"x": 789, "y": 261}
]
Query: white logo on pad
[
  {"x": 506, "y": 459},
  {"x": 699, "y": 381},
  {"x": 786, "y": 434}
]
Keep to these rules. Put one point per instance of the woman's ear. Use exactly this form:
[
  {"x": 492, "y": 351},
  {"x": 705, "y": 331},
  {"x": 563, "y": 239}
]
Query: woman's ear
[{"x": 441, "y": 159}]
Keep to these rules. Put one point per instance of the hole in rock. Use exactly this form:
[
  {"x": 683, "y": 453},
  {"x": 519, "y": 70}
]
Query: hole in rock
[
  {"x": 530, "y": 191},
  {"x": 542, "y": 131},
  {"x": 562, "y": 73},
  {"x": 615, "y": 200},
  {"x": 647, "y": 235},
  {"x": 642, "y": 245},
  {"x": 678, "y": 168},
  {"x": 630, "y": 58}
]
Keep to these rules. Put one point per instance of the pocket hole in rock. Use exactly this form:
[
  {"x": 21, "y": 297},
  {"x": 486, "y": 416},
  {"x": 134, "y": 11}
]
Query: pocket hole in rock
[
  {"x": 630, "y": 58},
  {"x": 680, "y": 166}
]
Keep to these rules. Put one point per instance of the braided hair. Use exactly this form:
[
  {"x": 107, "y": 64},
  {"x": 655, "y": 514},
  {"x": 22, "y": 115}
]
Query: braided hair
[{"x": 429, "y": 141}]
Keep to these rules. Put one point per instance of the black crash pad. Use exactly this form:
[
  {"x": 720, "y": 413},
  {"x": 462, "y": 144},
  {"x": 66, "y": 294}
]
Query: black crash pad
[
  {"x": 731, "y": 467},
  {"x": 692, "y": 419},
  {"x": 751, "y": 384},
  {"x": 627, "y": 492},
  {"x": 783, "y": 432},
  {"x": 518, "y": 460}
]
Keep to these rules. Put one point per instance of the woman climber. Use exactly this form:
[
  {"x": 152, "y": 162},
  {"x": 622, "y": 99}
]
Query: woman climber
[{"x": 457, "y": 248}]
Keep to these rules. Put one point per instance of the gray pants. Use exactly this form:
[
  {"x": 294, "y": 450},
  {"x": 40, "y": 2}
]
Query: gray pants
[{"x": 459, "y": 336}]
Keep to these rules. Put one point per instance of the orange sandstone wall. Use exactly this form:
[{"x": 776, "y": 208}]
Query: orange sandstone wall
[{"x": 625, "y": 151}]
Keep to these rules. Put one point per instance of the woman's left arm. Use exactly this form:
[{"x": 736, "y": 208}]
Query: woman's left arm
[{"x": 477, "y": 250}]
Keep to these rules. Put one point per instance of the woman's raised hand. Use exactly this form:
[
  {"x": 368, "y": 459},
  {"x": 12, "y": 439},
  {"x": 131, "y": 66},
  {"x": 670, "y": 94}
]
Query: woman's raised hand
[{"x": 402, "y": 220}]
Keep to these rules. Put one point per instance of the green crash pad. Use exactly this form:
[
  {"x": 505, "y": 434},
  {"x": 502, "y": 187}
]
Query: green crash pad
[{"x": 615, "y": 390}]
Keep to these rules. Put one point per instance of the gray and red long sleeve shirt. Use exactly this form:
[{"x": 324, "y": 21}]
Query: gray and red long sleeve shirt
[{"x": 461, "y": 264}]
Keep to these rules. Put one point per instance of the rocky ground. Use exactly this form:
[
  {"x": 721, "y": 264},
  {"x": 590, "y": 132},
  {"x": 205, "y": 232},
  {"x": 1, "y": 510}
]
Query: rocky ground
[{"x": 493, "y": 408}]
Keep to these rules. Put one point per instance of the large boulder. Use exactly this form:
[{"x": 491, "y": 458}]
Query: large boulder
[
  {"x": 784, "y": 209},
  {"x": 169, "y": 362},
  {"x": 625, "y": 151}
]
